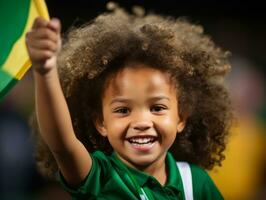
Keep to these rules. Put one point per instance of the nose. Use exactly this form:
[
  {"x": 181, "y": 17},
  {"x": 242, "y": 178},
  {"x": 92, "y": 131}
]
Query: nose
[
  {"x": 142, "y": 121},
  {"x": 142, "y": 125}
]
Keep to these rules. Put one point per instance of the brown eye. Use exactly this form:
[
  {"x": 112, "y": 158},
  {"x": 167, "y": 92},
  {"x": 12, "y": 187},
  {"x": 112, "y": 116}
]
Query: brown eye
[
  {"x": 158, "y": 108},
  {"x": 122, "y": 110}
]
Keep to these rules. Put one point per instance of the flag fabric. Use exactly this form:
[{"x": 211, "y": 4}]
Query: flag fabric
[{"x": 16, "y": 18}]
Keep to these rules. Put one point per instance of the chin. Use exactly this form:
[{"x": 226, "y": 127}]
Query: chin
[{"x": 142, "y": 161}]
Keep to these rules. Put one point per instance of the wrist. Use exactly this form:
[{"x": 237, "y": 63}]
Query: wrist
[
  {"x": 45, "y": 74},
  {"x": 45, "y": 67}
]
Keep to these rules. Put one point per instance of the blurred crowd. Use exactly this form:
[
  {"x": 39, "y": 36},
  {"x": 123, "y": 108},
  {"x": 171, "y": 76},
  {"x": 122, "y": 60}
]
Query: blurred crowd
[{"x": 243, "y": 172}]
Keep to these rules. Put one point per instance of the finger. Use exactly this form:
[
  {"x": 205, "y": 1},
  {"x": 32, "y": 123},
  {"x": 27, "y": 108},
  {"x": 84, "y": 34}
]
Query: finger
[
  {"x": 45, "y": 45},
  {"x": 43, "y": 33},
  {"x": 55, "y": 25},
  {"x": 39, "y": 22},
  {"x": 40, "y": 55}
]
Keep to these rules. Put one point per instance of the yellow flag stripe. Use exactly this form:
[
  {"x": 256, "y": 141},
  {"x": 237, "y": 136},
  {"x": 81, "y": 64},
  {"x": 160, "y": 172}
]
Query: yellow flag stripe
[
  {"x": 41, "y": 8},
  {"x": 18, "y": 62}
]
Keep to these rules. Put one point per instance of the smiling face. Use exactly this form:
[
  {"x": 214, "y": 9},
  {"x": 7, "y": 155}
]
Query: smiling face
[{"x": 140, "y": 115}]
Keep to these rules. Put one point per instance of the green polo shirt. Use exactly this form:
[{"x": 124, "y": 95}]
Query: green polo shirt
[{"x": 108, "y": 180}]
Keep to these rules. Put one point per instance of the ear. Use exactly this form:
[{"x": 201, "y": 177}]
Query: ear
[
  {"x": 99, "y": 124},
  {"x": 182, "y": 122},
  {"x": 181, "y": 125}
]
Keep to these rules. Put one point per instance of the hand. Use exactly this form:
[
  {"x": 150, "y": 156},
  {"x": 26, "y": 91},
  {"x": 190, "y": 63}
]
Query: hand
[{"x": 43, "y": 43}]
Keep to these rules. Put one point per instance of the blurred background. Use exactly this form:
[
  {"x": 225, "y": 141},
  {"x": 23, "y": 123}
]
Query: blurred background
[{"x": 233, "y": 25}]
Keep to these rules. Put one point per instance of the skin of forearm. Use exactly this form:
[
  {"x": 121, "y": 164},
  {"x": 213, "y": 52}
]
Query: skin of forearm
[
  {"x": 57, "y": 130},
  {"x": 54, "y": 120},
  {"x": 52, "y": 113}
]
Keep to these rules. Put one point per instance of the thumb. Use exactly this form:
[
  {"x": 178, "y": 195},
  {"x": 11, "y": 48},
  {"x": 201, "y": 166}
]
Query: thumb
[
  {"x": 39, "y": 22},
  {"x": 55, "y": 25}
]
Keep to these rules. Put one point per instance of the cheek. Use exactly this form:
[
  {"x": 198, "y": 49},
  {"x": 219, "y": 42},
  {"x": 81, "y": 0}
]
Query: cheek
[
  {"x": 116, "y": 127},
  {"x": 168, "y": 121},
  {"x": 167, "y": 127},
  {"x": 171, "y": 120}
]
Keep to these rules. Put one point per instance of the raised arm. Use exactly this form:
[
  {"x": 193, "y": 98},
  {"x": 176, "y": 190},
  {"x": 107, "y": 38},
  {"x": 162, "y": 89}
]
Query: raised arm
[{"x": 43, "y": 43}]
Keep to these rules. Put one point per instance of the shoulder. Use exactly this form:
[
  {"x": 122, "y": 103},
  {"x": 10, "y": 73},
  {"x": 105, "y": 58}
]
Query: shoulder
[
  {"x": 100, "y": 161},
  {"x": 198, "y": 174},
  {"x": 100, "y": 156},
  {"x": 96, "y": 178},
  {"x": 203, "y": 185}
]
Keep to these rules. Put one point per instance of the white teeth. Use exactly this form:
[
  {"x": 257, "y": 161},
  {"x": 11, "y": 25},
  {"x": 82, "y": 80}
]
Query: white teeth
[{"x": 141, "y": 140}]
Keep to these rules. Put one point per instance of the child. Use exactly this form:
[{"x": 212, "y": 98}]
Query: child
[{"x": 138, "y": 94}]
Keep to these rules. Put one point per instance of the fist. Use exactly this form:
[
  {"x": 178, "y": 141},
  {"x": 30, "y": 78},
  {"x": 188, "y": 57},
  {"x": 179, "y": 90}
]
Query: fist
[{"x": 43, "y": 42}]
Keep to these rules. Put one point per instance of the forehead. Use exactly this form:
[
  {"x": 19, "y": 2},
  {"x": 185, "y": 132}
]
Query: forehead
[{"x": 139, "y": 77}]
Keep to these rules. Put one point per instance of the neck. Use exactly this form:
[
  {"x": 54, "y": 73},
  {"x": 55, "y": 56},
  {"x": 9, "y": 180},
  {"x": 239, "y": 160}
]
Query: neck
[{"x": 156, "y": 169}]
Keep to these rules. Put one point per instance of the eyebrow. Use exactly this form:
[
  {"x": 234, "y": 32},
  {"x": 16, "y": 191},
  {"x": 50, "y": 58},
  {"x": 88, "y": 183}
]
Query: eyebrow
[
  {"x": 125, "y": 100},
  {"x": 157, "y": 98},
  {"x": 119, "y": 100}
]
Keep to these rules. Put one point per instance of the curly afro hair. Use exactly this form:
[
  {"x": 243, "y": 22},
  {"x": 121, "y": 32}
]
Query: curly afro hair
[{"x": 95, "y": 51}]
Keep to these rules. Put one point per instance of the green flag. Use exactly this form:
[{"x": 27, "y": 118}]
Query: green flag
[{"x": 16, "y": 18}]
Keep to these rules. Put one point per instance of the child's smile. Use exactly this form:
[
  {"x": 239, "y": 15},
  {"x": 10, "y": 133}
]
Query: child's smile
[
  {"x": 142, "y": 142},
  {"x": 140, "y": 115}
]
